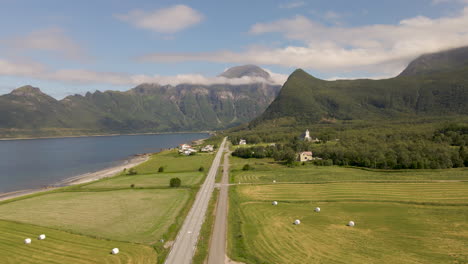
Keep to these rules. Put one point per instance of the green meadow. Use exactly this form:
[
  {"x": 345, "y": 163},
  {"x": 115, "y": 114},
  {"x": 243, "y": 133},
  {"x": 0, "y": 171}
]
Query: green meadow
[
  {"x": 131, "y": 212},
  {"x": 412, "y": 216}
]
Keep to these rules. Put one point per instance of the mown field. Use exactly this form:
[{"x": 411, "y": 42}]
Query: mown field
[
  {"x": 400, "y": 216},
  {"x": 108, "y": 213},
  {"x": 62, "y": 247}
]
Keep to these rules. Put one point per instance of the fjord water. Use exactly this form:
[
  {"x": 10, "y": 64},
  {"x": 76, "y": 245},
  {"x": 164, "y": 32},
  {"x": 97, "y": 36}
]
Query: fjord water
[{"x": 35, "y": 163}]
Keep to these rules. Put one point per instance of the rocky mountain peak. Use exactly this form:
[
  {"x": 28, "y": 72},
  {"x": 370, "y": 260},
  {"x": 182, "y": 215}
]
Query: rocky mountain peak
[{"x": 27, "y": 90}]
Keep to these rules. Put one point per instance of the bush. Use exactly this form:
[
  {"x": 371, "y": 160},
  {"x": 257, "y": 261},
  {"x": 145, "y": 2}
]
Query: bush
[
  {"x": 161, "y": 169},
  {"x": 132, "y": 171},
  {"x": 246, "y": 167},
  {"x": 132, "y": 185},
  {"x": 175, "y": 182},
  {"x": 201, "y": 169}
]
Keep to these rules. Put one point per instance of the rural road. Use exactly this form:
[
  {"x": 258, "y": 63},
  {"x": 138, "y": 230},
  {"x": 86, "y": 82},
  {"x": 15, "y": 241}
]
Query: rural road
[
  {"x": 217, "y": 250},
  {"x": 184, "y": 246}
]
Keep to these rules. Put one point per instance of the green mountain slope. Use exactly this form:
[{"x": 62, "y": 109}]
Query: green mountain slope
[
  {"x": 432, "y": 85},
  {"x": 146, "y": 108}
]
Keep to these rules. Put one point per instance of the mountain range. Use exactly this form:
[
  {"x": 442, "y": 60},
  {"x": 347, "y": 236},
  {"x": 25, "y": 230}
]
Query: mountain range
[
  {"x": 432, "y": 85},
  {"x": 28, "y": 112}
]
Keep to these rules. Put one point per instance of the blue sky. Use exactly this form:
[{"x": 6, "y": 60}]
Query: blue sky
[{"x": 67, "y": 47}]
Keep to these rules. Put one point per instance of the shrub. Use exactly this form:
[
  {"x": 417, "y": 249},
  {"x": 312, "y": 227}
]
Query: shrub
[
  {"x": 201, "y": 169},
  {"x": 161, "y": 169},
  {"x": 132, "y": 185},
  {"x": 246, "y": 167},
  {"x": 175, "y": 182},
  {"x": 132, "y": 171}
]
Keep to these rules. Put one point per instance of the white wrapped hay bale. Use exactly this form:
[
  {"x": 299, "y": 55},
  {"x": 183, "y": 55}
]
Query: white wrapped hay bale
[
  {"x": 351, "y": 223},
  {"x": 274, "y": 203},
  {"x": 317, "y": 209},
  {"x": 41, "y": 237},
  {"x": 115, "y": 251},
  {"x": 27, "y": 241},
  {"x": 297, "y": 222},
  {"x": 274, "y": 181}
]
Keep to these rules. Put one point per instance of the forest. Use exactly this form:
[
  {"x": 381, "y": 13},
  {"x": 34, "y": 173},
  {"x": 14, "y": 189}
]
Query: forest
[{"x": 381, "y": 148}]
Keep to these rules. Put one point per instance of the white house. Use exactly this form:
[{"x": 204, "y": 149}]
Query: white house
[
  {"x": 208, "y": 148},
  {"x": 184, "y": 147},
  {"x": 305, "y": 156},
  {"x": 242, "y": 142}
]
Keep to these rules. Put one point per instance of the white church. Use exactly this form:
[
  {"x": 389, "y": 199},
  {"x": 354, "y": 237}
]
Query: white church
[{"x": 308, "y": 138}]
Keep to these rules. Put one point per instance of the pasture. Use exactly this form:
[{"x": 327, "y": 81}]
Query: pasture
[{"x": 400, "y": 216}]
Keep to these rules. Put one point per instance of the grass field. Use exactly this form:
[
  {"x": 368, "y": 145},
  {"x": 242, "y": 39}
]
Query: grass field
[
  {"x": 266, "y": 170},
  {"x": 154, "y": 180},
  {"x": 401, "y": 217},
  {"x": 127, "y": 215},
  {"x": 107, "y": 211},
  {"x": 173, "y": 162},
  {"x": 61, "y": 247}
]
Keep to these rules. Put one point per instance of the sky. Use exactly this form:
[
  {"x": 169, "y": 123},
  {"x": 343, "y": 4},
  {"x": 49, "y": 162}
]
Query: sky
[{"x": 70, "y": 47}]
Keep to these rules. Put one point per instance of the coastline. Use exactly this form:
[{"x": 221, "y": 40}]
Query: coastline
[
  {"x": 108, "y": 135},
  {"x": 83, "y": 178}
]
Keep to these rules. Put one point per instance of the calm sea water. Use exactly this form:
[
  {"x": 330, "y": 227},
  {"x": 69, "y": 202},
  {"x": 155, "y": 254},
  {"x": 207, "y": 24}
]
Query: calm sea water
[{"x": 26, "y": 164}]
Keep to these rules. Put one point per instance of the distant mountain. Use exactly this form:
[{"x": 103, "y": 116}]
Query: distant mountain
[
  {"x": 27, "y": 111},
  {"x": 432, "y": 85},
  {"x": 438, "y": 62}
]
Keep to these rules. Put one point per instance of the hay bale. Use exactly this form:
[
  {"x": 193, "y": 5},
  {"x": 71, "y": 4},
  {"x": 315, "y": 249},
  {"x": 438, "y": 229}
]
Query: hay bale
[
  {"x": 351, "y": 223},
  {"x": 297, "y": 222},
  {"x": 27, "y": 241},
  {"x": 41, "y": 237},
  {"x": 274, "y": 181},
  {"x": 317, "y": 209},
  {"x": 274, "y": 203},
  {"x": 115, "y": 251}
]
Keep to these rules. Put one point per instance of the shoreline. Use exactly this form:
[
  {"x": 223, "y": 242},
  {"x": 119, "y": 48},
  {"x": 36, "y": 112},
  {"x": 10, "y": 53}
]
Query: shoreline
[
  {"x": 108, "y": 135},
  {"x": 82, "y": 178}
]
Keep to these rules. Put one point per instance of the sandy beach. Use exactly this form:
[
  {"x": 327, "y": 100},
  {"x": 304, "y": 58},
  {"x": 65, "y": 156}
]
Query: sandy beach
[{"x": 83, "y": 178}]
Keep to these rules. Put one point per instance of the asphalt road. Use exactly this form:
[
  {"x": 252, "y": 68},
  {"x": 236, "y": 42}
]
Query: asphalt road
[
  {"x": 185, "y": 244},
  {"x": 217, "y": 250}
]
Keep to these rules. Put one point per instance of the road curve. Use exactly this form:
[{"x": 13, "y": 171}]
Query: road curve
[
  {"x": 184, "y": 246},
  {"x": 217, "y": 249}
]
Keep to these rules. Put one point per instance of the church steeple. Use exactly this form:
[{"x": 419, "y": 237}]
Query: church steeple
[{"x": 307, "y": 136}]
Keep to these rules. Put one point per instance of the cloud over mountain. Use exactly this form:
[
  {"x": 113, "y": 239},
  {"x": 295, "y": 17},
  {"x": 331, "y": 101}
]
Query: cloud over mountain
[{"x": 380, "y": 48}]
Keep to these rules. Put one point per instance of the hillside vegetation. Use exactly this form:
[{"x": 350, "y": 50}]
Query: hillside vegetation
[{"x": 417, "y": 120}]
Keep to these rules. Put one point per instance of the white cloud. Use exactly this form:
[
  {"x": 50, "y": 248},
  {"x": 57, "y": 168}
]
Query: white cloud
[
  {"x": 82, "y": 76},
  {"x": 291, "y": 5},
  {"x": 166, "y": 20},
  {"x": 20, "y": 68},
  {"x": 437, "y": 2},
  {"x": 379, "y": 49},
  {"x": 49, "y": 39}
]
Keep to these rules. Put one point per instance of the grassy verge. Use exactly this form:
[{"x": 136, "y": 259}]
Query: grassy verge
[{"x": 203, "y": 244}]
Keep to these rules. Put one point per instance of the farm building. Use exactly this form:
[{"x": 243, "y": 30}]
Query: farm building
[
  {"x": 305, "y": 156},
  {"x": 242, "y": 142}
]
